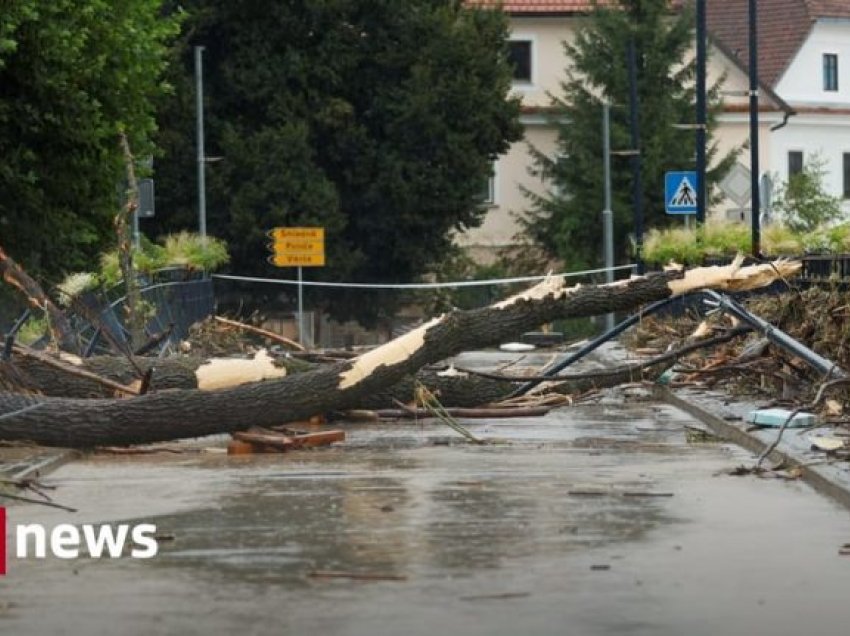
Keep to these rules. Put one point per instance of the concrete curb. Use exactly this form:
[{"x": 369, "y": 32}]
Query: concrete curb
[{"x": 726, "y": 420}]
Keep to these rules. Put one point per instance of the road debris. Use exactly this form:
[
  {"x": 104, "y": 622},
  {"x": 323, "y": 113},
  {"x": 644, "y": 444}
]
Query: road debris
[
  {"x": 357, "y": 576},
  {"x": 264, "y": 440}
]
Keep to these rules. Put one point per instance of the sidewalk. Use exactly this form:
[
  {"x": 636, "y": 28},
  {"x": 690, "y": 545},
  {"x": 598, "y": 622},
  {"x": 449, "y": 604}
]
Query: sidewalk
[{"x": 727, "y": 419}]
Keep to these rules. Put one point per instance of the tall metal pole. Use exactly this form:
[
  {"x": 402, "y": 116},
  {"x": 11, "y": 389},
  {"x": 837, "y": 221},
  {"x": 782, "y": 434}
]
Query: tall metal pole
[
  {"x": 199, "y": 114},
  {"x": 607, "y": 213},
  {"x": 755, "y": 207},
  {"x": 701, "y": 112},
  {"x": 637, "y": 190},
  {"x": 301, "y": 338}
]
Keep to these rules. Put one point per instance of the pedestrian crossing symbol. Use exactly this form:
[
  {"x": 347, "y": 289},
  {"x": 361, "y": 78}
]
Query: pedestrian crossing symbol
[{"x": 680, "y": 192}]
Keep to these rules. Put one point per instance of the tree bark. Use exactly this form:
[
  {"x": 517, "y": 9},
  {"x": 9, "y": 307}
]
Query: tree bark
[
  {"x": 190, "y": 413},
  {"x": 124, "y": 231}
]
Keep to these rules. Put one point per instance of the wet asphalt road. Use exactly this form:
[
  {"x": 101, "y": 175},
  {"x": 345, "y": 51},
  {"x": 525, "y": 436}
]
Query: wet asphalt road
[{"x": 550, "y": 531}]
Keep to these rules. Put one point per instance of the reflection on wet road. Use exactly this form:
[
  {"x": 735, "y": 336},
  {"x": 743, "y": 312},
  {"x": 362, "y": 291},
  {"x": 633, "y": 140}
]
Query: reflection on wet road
[{"x": 593, "y": 520}]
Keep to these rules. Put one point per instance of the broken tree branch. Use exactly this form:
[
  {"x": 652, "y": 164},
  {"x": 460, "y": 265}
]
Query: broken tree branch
[
  {"x": 124, "y": 232},
  {"x": 577, "y": 382},
  {"x": 58, "y": 323},
  {"x": 265, "y": 333},
  {"x": 70, "y": 369}
]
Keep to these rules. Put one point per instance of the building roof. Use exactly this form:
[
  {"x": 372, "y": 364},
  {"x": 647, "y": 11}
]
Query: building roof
[
  {"x": 539, "y": 7},
  {"x": 783, "y": 26},
  {"x": 559, "y": 7},
  {"x": 829, "y": 8}
]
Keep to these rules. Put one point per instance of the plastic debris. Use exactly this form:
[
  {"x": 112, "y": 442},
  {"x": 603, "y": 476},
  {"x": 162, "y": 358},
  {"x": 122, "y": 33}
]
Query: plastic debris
[{"x": 775, "y": 418}]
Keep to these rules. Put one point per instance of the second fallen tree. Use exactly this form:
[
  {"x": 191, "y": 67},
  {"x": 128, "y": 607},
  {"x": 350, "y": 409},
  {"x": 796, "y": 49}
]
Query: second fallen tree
[{"x": 177, "y": 414}]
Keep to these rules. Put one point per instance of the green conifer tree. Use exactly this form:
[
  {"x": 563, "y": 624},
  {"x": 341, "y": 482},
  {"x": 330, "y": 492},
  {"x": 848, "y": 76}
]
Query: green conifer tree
[{"x": 566, "y": 222}]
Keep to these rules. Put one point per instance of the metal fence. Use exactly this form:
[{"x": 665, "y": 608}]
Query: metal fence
[{"x": 178, "y": 298}]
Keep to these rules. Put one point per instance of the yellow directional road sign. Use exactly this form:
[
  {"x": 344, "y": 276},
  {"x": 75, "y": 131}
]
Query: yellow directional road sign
[
  {"x": 284, "y": 233},
  {"x": 297, "y": 246},
  {"x": 297, "y": 260}
]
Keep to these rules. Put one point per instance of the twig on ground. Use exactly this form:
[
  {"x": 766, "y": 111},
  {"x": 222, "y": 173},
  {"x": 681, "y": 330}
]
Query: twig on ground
[
  {"x": 429, "y": 401},
  {"x": 276, "y": 337}
]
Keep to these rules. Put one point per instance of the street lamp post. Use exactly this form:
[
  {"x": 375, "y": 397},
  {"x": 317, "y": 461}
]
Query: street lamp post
[
  {"x": 199, "y": 114},
  {"x": 637, "y": 187},
  {"x": 607, "y": 213},
  {"x": 755, "y": 207},
  {"x": 701, "y": 113}
]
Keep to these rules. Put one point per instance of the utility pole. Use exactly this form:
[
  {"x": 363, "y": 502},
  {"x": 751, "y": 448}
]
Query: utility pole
[
  {"x": 701, "y": 113},
  {"x": 199, "y": 114},
  {"x": 637, "y": 189},
  {"x": 607, "y": 213},
  {"x": 755, "y": 207}
]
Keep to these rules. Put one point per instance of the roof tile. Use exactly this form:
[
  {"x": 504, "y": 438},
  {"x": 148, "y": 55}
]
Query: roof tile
[
  {"x": 538, "y": 6},
  {"x": 783, "y": 26}
]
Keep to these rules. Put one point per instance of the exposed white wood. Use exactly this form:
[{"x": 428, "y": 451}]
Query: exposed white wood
[
  {"x": 733, "y": 277},
  {"x": 391, "y": 353},
  {"x": 225, "y": 372}
]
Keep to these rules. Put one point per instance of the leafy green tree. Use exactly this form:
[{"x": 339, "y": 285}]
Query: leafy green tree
[
  {"x": 567, "y": 220},
  {"x": 73, "y": 73},
  {"x": 803, "y": 204},
  {"x": 377, "y": 119}
]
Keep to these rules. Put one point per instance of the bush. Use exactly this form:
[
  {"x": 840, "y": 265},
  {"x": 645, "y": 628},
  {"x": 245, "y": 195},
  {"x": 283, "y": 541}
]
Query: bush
[
  {"x": 195, "y": 252},
  {"x": 803, "y": 203},
  {"x": 727, "y": 239},
  {"x": 672, "y": 244},
  {"x": 778, "y": 240},
  {"x": 183, "y": 249}
]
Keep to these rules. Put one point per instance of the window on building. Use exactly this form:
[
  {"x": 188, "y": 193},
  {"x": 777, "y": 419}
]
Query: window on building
[
  {"x": 519, "y": 57},
  {"x": 557, "y": 176},
  {"x": 487, "y": 194},
  {"x": 830, "y": 72},
  {"x": 847, "y": 175},
  {"x": 795, "y": 162}
]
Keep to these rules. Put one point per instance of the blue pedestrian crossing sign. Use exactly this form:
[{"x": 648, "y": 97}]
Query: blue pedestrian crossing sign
[{"x": 680, "y": 192}]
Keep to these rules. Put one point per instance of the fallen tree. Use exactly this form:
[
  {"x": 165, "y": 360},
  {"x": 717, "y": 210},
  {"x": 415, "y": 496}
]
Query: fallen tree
[
  {"x": 173, "y": 414},
  {"x": 111, "y": 376}
]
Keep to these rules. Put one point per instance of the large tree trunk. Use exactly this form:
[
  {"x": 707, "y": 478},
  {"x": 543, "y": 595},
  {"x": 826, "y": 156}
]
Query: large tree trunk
[
  {"x": 180, "y": 372},
  {"x": 177, "y": 372},
  {"x": 191, "y": 413}
]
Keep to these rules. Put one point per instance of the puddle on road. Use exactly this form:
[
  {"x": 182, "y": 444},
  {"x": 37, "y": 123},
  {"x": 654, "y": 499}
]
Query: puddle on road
[{"x": 538, "y": 530}]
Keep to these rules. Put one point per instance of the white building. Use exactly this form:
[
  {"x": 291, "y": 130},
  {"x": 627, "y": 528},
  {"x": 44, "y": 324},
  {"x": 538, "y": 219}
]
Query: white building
[
  {"x": 805, "y": 53},
  {"x": 804, "y": 58}
]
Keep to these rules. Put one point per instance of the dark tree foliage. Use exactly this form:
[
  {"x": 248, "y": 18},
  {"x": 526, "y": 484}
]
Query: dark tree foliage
[
  {"x": 567, "y": 221},
  {"x": 72, "y": 74},
  {"x": 376, "y": 119}
]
